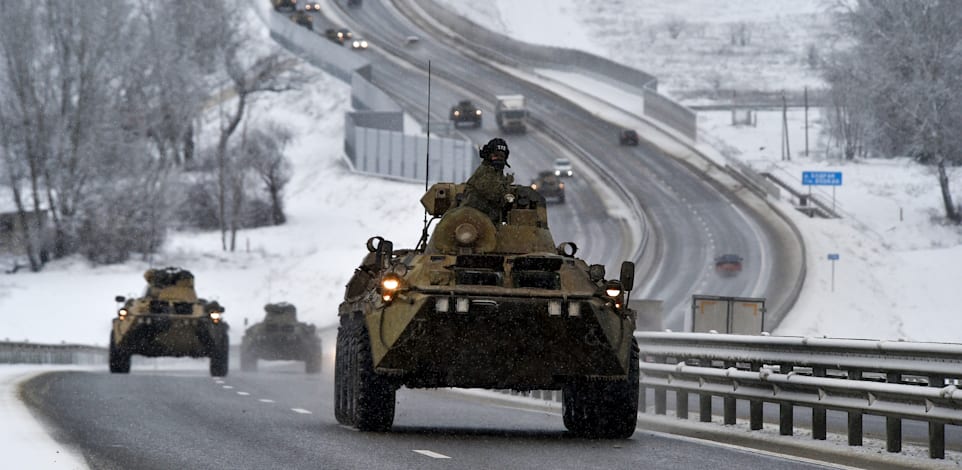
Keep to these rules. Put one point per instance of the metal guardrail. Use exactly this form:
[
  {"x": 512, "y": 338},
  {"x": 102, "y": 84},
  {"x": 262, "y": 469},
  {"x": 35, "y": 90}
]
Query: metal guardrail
[
  {"x": 35, "y": 353},
  {"x": 894, "y": 379}
]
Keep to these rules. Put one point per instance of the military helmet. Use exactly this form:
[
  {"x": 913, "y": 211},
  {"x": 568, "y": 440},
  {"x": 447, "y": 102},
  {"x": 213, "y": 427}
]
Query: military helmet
[{"x": 496, "y": 144}]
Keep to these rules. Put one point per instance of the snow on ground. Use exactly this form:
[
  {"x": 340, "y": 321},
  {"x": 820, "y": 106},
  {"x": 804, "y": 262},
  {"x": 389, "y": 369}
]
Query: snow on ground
[
  {"x": 24, "y": 443},
  {"x": 897, "y": 259}
]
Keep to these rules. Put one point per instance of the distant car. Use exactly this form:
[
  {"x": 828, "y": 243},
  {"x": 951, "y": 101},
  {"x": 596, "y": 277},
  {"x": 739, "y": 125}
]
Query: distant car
[
  {"x": 312, "y": 6},
  {"x": 549, "y": 185},
  {"x": 411, "y": 40},
  {"x": 466, "y": 112},
  {"x": 562, "y": 167},
  {"x": 359, "y": 43},
  {"x": 728, "y": 264},
  {"x": 284, "y": 4},
  {"x": 339, "y": 36},
  {"x": 628, "y": 137},
  {"x": 303, "y": 18}
]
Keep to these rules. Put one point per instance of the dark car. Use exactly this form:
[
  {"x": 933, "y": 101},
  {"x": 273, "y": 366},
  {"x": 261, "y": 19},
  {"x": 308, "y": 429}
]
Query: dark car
[
  {"x": 628, "y": 137},
  {"x": 304, "y": 19},
  {"x": 728, "y": 264},
  {"x": 339, "y": 35},
  {"x": 549, "y": 185},
  {"x": 466, "y": 112}
]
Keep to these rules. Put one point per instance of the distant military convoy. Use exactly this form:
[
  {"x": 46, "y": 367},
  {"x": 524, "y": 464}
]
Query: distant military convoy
[
  {"x": 169, "y": 320},
  {"x": 281, "y": 337}
]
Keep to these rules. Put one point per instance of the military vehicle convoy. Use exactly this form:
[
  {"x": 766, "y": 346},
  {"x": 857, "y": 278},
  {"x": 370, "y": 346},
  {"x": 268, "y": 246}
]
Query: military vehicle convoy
[
  {"x": 169, "y": 320},
  {"x": 280, "y": 337},
  {"x": 486, "y": 305}
]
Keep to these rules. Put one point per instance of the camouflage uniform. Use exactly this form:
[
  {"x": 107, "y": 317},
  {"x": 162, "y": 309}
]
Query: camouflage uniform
[{"x": 485, "y": 190}]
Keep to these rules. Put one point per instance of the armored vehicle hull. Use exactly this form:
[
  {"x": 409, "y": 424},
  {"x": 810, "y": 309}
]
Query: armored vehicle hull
[
  {"x": 280, "y": 337},
  {"x": 488, "y": 306},
  {"x": 169, "y": 320}
]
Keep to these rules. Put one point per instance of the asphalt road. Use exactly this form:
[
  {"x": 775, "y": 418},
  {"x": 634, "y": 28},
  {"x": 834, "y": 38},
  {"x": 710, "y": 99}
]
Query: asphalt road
[{"x": 281, "y": 418}]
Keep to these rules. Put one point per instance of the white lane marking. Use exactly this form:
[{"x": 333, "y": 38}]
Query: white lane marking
[
  {"x": 243, "y": 393},
  {"x": 265, "y": 400},
  {"x": 228, "y": 387},
  {"x": 301, "y": 411},
  {"x": 219, "y": 382},
  {"x": 432, "y": 454}
]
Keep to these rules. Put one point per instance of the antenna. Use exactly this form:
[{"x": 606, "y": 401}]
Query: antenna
[
  {"x": 427, "y": 153},
  {"x": 423, "y": 242}
]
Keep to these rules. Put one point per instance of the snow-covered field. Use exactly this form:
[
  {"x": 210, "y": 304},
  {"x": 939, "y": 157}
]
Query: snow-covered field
[{"x": 897, "y": 258}]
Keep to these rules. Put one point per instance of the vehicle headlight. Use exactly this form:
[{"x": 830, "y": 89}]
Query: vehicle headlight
[
  {"x": 122, "y": 313},
  {"x": 390, "y": 283},
  {"x": 478, "y": 112},
  {"x": 613, "y": 289},
  {"x": 363, "y": 44},
  {"x": 216, "y": 316},
  {"x": 534, "y": 186},
  {"x": 457, "y": 113}
]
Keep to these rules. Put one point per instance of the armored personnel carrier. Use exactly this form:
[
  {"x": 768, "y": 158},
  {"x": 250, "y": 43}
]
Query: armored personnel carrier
[
  {"x": 280, "y": 337},
  {"x": 169, "y": 320},
  {"x": 466, "y": 112},
  {"x": 549, "y": 186},
  {"x": 487, "y": 304}
]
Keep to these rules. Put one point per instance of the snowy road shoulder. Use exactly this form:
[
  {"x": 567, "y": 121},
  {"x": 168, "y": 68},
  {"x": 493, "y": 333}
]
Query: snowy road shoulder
[{"x": 24, "y": 442}]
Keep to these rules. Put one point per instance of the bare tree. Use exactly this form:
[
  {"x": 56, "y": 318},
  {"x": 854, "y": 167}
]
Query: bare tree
[
  {"x": 265, "y": 74},
  {"x": 265, "y": 152},
  {"x": 904, "y": 71}
]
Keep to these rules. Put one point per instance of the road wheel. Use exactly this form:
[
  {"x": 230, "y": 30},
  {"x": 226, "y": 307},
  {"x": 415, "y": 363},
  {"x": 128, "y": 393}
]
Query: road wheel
[
  {"x": 119, "y": 360},
  {"x": 248, "y": 360},
  {"x": 370, "y": 396},
  {"x": 343, "y": 380},
  {"x": 603, "y": 409},
  {"x": 219, "y": 357}
]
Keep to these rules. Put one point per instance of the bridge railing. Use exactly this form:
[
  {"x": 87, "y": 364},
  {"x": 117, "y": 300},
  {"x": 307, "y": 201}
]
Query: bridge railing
[
  {"x": 893, "y": 379},
  {"x": 35, "y": 353}
]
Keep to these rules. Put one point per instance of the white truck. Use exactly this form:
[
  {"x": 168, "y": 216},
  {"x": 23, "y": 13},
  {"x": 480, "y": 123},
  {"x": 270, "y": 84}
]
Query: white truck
[{"x": 511, "y": 114}]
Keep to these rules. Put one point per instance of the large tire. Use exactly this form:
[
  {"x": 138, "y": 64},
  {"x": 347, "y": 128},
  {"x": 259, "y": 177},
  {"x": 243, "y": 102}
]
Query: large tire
[
  {"x": 119, "y": 359},
  {"x": 219, "y": 358},
  {"x": 366, "y": 399},
  {"x": 607, "y": 410},
  {"x": 343, "y": 397},
  {"x": 248, "y": 360}
]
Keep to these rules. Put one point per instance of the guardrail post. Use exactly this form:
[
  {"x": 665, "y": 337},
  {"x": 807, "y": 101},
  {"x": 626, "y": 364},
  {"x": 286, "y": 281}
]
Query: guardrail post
[
  {"x": 681, "y": 404},
  {"x": 936, "y": 429},
  {"x": 729, "y": 403},
  {"x": 819, "y": 418},
  {"x": 755, "y": 407},
  {"x": 854, "y": 417},
  {"x": 893, "y": 426},
  {"x": 704, "y": 408},
  {"x": 661, "y": 400},
  {"x": 786, "y": 416},
  {"x": 661, "y": 394}
]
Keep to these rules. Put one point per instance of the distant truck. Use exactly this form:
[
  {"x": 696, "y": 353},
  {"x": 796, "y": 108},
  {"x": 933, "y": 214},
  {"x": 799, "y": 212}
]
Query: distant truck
[{"x": 511, "y": 113}]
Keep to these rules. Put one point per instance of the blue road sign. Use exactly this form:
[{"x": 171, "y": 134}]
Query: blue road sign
[
  {"x": 833, "y": 256},
  {"x": 822, "y": 178}
]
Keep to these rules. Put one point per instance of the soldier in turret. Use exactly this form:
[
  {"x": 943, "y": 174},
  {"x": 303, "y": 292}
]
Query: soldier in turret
[{"x": 485, "y": 189}]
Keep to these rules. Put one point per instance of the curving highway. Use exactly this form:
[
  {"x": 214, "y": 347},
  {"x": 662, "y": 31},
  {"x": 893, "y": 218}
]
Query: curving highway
[{"x": 687, "y": 218}]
